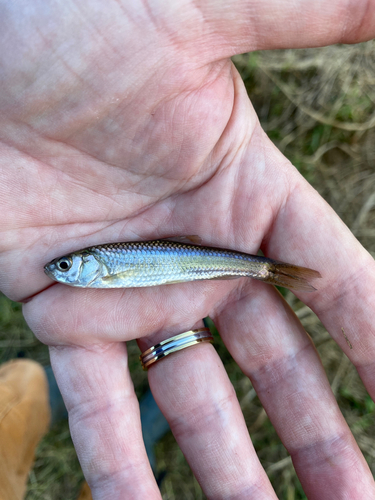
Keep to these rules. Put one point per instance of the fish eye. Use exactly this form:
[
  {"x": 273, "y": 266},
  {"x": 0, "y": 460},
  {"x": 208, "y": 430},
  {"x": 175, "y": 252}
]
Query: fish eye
[{"x": 64, "y": 264}]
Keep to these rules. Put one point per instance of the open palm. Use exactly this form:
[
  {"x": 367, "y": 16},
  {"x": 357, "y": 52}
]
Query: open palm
[{"x": 128, "y": 122}]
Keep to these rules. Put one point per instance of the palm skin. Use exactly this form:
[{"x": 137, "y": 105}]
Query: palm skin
[{"x": 127, "y": 122}]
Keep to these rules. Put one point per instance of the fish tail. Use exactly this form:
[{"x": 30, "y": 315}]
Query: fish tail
[{"x": 295, "y": 278}]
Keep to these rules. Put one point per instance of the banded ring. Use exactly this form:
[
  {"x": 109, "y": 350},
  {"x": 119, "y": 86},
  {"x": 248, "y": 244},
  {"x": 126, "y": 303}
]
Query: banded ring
[{"x": 174, "y": 344}]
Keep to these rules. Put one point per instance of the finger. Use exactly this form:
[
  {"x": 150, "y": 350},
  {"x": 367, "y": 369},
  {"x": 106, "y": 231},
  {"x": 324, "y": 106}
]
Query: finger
[
  {"x": 346, "y": 295},
  {"x": 62, "y": 315},
  {"x": 271, "y": 347},
  {"x": 246, "y": 25},
  {"x": 193, "y": 391},
  {"x": 105, "y": 420}
]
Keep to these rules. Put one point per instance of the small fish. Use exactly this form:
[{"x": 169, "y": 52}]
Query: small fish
[{"x": 163, "y": 262}]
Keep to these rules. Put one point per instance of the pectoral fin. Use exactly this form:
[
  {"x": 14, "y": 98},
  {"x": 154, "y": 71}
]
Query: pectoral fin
[{"x": 116, "y": 276}]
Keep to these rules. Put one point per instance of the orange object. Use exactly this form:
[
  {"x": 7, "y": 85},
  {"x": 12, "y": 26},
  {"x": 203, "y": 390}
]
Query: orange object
[
  {"x": 85, "y": 493},
  {"x": 24, "y": 419}
]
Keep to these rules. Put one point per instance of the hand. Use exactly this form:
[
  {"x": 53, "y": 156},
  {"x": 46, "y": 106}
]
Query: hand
[{"x": 125, "y": 122}]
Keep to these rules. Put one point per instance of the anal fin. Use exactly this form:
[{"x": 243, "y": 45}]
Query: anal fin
[{"x": 227, "y": 277}]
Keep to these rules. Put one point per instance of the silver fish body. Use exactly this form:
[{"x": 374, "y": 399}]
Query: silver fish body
[{"x": 161, "y": 262}]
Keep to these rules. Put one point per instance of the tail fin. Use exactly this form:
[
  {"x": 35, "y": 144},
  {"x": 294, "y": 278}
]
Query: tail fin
[{"x": 293, "y": 277}]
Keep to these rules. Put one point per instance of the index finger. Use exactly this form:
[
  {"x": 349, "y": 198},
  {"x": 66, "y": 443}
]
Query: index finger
[{"x": 346, "y": 298}]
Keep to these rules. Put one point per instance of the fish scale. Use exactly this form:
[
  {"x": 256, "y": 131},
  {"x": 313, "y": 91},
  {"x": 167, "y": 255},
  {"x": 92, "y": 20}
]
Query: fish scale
[{"x": 167, "y": 261}]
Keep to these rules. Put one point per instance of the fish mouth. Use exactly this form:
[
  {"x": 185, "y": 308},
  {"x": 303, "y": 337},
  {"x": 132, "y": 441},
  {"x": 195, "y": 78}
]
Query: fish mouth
[{"x": 48, "y": 269}]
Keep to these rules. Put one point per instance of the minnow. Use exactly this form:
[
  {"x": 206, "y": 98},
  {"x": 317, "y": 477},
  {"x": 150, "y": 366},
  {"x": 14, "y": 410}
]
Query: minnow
[{"x": 164, "y": 262}]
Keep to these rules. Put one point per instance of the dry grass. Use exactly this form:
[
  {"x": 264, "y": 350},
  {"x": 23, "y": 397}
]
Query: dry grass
[{"x": 318, "y": 107}]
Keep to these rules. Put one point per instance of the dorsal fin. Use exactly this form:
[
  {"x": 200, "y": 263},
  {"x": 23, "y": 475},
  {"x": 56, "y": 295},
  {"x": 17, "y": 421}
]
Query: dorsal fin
[{"x": 191, "y": 239}]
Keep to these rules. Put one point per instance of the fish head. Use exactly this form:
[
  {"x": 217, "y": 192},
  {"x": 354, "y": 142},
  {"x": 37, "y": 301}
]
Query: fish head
[{"x": 76, "y": 269}]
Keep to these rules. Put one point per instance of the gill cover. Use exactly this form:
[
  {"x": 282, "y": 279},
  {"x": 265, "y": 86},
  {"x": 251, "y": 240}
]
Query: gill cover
[{"x": 84, "y": 269}]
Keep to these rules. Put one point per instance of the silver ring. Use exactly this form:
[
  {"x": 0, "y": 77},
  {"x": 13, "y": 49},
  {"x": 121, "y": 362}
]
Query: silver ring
[{"x": 174, "y": 344}]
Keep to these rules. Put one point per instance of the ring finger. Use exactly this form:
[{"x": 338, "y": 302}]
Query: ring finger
[{"x": 197, "y": 398}]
